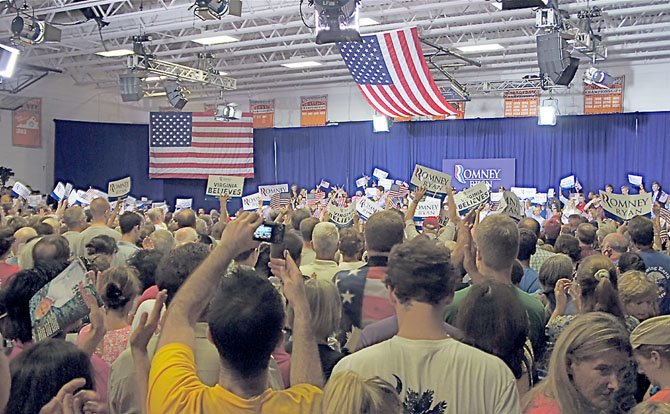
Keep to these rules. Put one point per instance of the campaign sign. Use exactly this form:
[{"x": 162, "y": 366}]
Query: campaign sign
[
  {"x": 524, "y": 193},
  {"x": 266, "y": 191},
  {"x": 365, "y": 208},
  {"x": 59, "y": 192},
  {"x": 432, "y": 180},
  {"x": 34, "y": 200},
  {"x": 379, "y": 174},
  {"x": 626, "y": 207},
  {"x": 119, "y": 188},
  {"x": 341, "y": 216},
  {"x": 568, "y": 182},
  {"x": 219, "y": 185},
  {"x": 183, "y": 203},
  {"x": 386, "y": 183},
  {"x": 635, "y": 180},
  {"x": 429, "y": 207},
  {"x": 250, "y": 202},
  {"x": 21, "y": 190},
  {"x": 471, "y": 198},
  {"x": 496, "y": 172},
  {"x": 362, "y": 182}
]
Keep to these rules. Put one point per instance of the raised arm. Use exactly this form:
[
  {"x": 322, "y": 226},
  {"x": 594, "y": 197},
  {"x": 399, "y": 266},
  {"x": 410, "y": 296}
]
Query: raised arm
[
  {"x": 305, "y": 362},
  {"x": 191, "y": 300},
  {"x": 223, "y": 207},
  {"x": 418, "y": 195}
]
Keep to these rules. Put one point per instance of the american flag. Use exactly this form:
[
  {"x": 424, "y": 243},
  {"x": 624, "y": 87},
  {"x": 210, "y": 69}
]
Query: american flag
[
  {"x": 393, "y": 76},
  {"x": 279, "y": 200},
  {"x": 664, "y": 219},
  {"x": 194, "y": 145},
  {"x": 398, "y": 190}
]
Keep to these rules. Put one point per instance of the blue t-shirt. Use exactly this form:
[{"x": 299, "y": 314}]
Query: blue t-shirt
[
  {"x": 658, "y": 266},
  {"x": 530, "y": 282}
]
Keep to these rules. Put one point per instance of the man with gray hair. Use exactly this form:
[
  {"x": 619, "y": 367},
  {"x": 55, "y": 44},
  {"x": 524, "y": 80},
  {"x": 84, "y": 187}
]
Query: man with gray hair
[
  {"x": 325, "y": 242},
  {"x": 160, "y": 240},
  {"x": 157, "y": 217},
  {"x": 74, "y": 219},
  {"x": 613, "y": 246}
]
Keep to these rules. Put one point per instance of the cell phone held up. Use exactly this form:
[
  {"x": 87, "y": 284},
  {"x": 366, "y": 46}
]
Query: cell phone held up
[{"x": 270, "y": 232}]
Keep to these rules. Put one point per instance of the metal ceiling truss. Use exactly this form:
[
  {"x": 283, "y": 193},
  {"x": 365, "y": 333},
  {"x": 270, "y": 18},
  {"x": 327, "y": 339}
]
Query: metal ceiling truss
[{"x": 271, "y": 32}]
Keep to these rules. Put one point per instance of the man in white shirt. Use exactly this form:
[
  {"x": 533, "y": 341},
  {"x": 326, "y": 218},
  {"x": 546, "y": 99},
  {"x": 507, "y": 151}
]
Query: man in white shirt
[
  {"x": 431, "y": 370},
  {"x": 157, "y": 217},
  {"x": 325, "y": 242}
]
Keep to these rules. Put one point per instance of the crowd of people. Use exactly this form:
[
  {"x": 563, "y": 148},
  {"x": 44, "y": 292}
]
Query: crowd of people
[{"x": 509, "y": 308}]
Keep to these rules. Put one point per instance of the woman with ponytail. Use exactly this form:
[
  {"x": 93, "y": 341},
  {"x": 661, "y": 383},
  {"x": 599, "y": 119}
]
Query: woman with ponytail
[
  {"x": 119, "y": 287},
  {"x": 593, "y": 289}
]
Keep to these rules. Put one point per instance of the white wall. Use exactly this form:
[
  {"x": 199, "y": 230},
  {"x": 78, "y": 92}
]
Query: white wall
[{"x": 647, "y": 89}]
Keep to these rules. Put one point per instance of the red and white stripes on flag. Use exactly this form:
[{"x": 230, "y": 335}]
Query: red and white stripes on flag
[
  {"x": 393, "y": 76},
  {"x": 194, "y": 145}
]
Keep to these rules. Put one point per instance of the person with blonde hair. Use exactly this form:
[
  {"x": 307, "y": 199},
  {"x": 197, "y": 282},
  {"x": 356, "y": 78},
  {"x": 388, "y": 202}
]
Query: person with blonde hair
[
  {"x": 650, "y": 407},
  {"x": 326, "y": 308},
  {"x": 639, "y": 294},
  {"x": 594, "y": 289},
  {"x": 118, "y": 287},
  {"x": 586, "y": 370},
  {"x": 349, "y": 393},
  {"x": 651, "y": 349}
]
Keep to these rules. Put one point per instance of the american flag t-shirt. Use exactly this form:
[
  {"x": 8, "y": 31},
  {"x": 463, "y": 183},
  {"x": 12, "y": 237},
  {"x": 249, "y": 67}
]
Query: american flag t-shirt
[
  {"x": 393, "y": 76},
  {"x": 194, "y": 145}
]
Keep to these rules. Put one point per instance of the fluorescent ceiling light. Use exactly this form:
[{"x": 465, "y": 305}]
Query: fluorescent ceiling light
[
  {"x": 154, "y": 78},
  {"x": 301, "y": 65},
  {"x": 115, "y": 53},
  {"x": 489, "y": 47},
  {"x": 222, "y": 73},
  {"x": 366, "y": 21},
  {"x": 8, "y": 58},
  {"x": 215, "y": 40}
]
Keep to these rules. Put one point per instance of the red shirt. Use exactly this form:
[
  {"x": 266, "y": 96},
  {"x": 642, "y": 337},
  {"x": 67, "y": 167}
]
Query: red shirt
[
  {"x": 543, "y": 405},
  {"x": 6, "y": 272},
  {"x": 663, "y": 396}
]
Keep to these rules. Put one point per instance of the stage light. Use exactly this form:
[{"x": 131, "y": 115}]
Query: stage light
[
  {"x": 227, "y": 112},
  {"x": 115, "y": 53},
  {"x": 32, "y": 31},
  {"x": 594, "y": 76},
  {"x": 8, "y": 59},
  {"x": 301, "y": 65},
  {"x": 489, "y": 47},
  {"x": 337, "y": 21},
  {"x": 381, "y": 123},
  {"x": 215, "y": 9},
  {"x": 548, "y": 112},
  {"x": 175, "y": 94},
  {"x": 131, "y": 87},
  {"x": 215, "y": 40}
]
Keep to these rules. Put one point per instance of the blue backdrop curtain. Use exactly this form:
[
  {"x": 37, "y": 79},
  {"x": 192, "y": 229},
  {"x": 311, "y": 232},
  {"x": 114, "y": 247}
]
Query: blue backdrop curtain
[{"x": 599, "y": 149}]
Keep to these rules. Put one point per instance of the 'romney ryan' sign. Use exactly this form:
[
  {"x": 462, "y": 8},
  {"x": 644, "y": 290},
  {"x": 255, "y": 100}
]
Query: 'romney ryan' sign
[
  {"x": 626, "y": 207},
  {"x": 495, "y": 172},
  {"x": 433, "y": 181}
]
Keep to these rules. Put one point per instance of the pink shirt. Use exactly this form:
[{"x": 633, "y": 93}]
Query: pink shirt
[{"x": 112, "y": 344}]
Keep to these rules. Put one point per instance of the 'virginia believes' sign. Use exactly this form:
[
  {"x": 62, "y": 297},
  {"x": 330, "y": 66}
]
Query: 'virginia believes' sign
[{"x": 496, "y": 172}]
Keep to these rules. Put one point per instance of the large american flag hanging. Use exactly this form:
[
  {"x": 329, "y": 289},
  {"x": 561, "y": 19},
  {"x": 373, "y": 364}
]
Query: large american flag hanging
[
  {"x": 194, "y": 145},
  {"x": 393, "y": 76}
]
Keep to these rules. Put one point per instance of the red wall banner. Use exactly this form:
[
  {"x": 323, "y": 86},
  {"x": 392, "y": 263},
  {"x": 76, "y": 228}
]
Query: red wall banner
[{"x": 27, "y": 124}]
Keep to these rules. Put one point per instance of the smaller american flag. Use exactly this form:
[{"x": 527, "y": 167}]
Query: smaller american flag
[
  {"x": 398, "y": 190},
  {"x": 279, "y": 200},
  {"x": 664, "y": 218},
  {"x": 311, "y": 200}
]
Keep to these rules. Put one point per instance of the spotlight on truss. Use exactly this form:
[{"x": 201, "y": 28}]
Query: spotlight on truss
[
  {"x": 216, "y": 9},
  {"x": 548, "y": 112},
  {"x": 227, "y": 112},
  {"x": 337, "y": 21},
  {"x": 32, "y": 31},
  {"x": 597, "y": 77}
]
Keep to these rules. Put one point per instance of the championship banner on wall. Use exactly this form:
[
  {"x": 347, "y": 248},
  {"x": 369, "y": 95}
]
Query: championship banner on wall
[
  {"x": 27, "y": 124},
  {"x": 604, "y": 101},
  {"x": 263, "y": 113},
  {"x": 313, "y": 110},
  {"x": 521, "y": 103}
]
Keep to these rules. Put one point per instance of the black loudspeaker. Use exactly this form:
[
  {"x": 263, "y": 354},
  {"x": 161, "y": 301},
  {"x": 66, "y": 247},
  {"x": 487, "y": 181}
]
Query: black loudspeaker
[
  {"x": 523, "y": 4},
  {"x": 554, "y": 58},
  {"x": 131, "y": 88},
  {"x": 174, "y": 94}
]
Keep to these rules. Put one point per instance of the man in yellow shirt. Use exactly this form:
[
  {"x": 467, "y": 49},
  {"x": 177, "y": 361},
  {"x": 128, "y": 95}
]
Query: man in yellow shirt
[{"x": 245, "y": 319}]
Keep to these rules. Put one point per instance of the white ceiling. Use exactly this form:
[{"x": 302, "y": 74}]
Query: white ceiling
[{"x": 271, "y": 32}]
